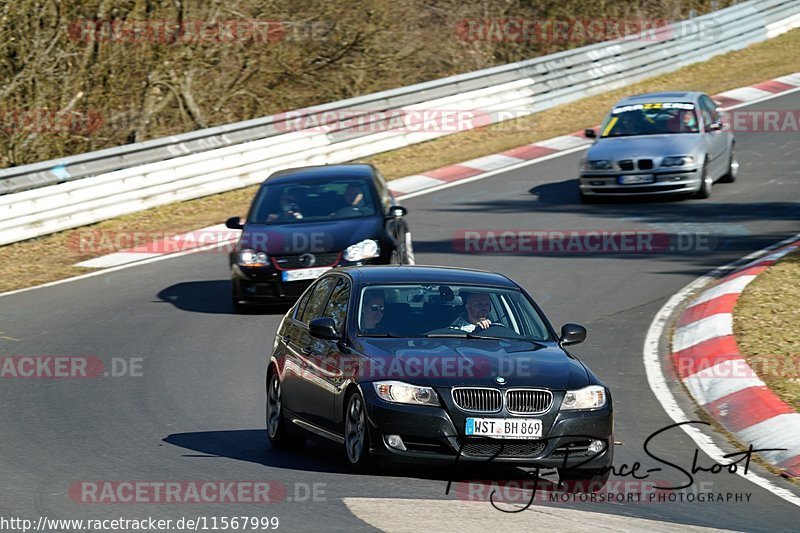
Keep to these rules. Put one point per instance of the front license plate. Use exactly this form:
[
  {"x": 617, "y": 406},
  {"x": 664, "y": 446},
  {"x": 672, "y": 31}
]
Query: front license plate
[
  {"x": 504, "y": 428},
  {"x": 636, "y": 178},
  {"x": 303, "y": 273}
]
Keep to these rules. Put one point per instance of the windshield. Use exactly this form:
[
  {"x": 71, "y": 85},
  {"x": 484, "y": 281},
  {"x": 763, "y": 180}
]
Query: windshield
[
  {"x": 312, "y": 201},
  {"x": 651, "y": 119},
  {"x": 425, "y": 310}
]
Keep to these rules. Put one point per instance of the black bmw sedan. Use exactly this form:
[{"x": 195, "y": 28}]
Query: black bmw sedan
[
  {"x": 305, "y": 221},
  {"x": 435, "y": 365}
]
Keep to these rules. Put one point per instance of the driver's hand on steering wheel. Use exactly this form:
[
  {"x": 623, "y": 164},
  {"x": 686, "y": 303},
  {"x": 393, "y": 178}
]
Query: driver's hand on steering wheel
[{"x": 483, "y": 323}]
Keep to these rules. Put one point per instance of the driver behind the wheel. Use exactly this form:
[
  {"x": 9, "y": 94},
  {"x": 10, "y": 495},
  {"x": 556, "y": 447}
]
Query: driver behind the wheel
[
  {"x": 354, "y": 196},
  {"x": 477, "y": 306}
]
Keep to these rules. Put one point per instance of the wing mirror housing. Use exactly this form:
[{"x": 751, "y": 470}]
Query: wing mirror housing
[
  {"x": 323, "y": 328},
  {"x": 234, "y": 223},
  {"x": 396, "y": 211},
  {"x": 590, "y": 133},
  {"x": 572, "y": 334}
]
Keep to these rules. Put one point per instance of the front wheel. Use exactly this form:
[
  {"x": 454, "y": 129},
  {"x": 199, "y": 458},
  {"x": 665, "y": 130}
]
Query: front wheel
[
  {"x": 705, "y": 184},
  {"x": 356, "y": 433},
  {"x": 733, "y": 168}
]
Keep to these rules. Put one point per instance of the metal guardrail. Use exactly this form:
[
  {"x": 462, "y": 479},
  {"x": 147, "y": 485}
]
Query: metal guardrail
[{"x": 56, "y": 195}]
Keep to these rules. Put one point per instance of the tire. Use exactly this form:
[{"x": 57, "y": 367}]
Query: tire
[
  {"x": 705, "y": 184},
  {"x": 587, "y": 199},
  {"x": 356, "y": 433},
  {"x": 733, "y": 168},
  {"x": 278, "y": 434},
  {"x": 238, "y": 307}
]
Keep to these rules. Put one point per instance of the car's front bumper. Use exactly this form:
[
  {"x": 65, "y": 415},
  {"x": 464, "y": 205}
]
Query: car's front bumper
[
  {"x": 432, "y": 435},
  {"x": 266, "y": 284},
  {"x": 683, "y": 181}
]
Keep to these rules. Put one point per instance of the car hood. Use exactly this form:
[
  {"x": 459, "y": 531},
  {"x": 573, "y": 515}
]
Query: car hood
[
  {"x": 651, "y": 146},
  {"x": 314, "y": 237},
  {"x": 457, "y": 362}
]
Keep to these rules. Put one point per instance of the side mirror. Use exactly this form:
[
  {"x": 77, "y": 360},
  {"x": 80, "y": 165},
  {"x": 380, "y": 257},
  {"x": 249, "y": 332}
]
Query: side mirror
[
  {"x": 715, "y": 126},
  {"x": 572, "y": 334},
  {"x": 234, "y": 223},
  {"x": 397, "y": 211},
  {"x": 590, "y": 133},
  {"x": 323, "y": 328}
]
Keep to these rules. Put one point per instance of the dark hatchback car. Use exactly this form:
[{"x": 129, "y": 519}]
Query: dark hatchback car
[
  {"x": 413, "y": 364},
  {"x": 305, "y": 221}
]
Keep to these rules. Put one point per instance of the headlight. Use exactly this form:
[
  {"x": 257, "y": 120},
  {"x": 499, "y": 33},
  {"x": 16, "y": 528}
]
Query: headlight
[
  {"x": 251, "y": 258},
  {"x": 597, "y": 164},
  {"x": 399, "y": 392},
  {"x": 362, "y": 250},
  {"x": 677, "y": 161},
  {"x": 591, "y": 397}
]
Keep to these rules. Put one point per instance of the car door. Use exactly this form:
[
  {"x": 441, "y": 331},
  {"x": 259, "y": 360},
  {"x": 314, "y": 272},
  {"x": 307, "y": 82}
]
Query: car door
[
  {"x": 300, "y": 385},
  {"x": 716, "y": 140},
  {"x": 396, "y": 226},
  {"x": 331, "y": 360}
]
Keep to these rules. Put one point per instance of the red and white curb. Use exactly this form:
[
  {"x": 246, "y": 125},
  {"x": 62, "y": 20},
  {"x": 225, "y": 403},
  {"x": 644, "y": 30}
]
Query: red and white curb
[
  {"x": 707, "y": 361},
  {"x": 468, "y": 170}
]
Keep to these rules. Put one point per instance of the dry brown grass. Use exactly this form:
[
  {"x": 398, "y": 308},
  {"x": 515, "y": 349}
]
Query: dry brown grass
[
  {"x": 765, "y": 323},
  {"x": 52, "y": 257}
]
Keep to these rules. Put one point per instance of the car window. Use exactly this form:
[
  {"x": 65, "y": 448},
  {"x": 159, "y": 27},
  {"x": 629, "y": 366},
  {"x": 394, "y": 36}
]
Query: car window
[
  {"x": 383, "y": 191},
  {"x": 337, "y": 304},
  {"x": 301, "y": 304},
  {"x": 317, "y": 301},
  {"x": 709, "y": 109}
]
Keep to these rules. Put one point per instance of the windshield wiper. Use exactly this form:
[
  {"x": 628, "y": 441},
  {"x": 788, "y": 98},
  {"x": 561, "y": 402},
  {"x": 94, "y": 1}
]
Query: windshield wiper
[{"x": 386, "y": 335}]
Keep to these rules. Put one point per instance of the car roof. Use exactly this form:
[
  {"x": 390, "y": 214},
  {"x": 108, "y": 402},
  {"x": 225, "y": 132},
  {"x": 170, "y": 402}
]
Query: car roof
[
  {"x": 674, "y": 96},
  {"x": 376, "y": 274},
  {"x": 322, "y": 171}
]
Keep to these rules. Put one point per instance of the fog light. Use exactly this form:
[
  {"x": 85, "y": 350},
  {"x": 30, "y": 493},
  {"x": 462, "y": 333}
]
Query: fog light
[
  {"x": 395, "y": 442},
  {"x": 597, "y": 446}
]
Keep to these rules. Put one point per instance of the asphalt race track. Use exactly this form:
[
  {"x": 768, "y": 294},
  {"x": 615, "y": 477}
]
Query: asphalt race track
[{"x": 196, "y": 412}]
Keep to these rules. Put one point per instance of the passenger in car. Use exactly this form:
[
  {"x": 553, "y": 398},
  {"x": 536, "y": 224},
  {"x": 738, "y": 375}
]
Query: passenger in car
[{"x": 372, "y": 311}]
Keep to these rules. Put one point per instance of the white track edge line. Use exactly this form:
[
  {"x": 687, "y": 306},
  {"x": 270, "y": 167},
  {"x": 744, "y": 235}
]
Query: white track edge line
[{"x": 658, "y": 383}]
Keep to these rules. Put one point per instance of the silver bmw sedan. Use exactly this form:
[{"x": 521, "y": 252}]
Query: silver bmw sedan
[{"x": 659, "y": 144}]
